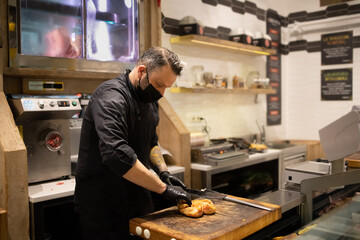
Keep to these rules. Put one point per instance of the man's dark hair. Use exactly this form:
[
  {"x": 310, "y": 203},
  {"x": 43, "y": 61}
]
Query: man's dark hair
[{"x": 157, "y": 57}]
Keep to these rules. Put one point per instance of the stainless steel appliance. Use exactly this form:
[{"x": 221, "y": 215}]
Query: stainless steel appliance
[
  {"x": 75, "y": 131},
  {"x": 94, "y": 35},
  {"x": 305, "y": 170},
  {"x": 218, "y": 154},
  {"x": 44, "y": 124}
]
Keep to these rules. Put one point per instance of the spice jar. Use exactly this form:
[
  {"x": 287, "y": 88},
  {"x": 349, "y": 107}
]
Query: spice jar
[
  {"x": 238, "y": 82},
  {"x": 219, "y": 81}
]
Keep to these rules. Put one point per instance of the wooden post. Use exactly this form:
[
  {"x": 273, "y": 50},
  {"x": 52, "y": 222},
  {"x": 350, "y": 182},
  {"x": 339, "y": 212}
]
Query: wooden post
[
  {"x": 13, "y": 175},
  {"x": 3, "y": 40},
  {"x": 150, "y": 33},
  {"x": 3, "y": 225},
  {"x": 175, "y": 137}
]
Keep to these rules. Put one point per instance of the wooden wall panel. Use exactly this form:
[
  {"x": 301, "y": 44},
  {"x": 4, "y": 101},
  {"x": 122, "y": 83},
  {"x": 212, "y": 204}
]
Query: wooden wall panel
[
  {"x": 175, "y": 137},
  {"x": 14, "y": 180},
  {"x": 314, "y": 148}
]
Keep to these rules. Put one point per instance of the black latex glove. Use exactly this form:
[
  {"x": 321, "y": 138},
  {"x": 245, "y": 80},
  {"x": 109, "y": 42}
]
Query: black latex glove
[
  {"x": 167, "y": 178},
  {"x": 176, "y": 193}
]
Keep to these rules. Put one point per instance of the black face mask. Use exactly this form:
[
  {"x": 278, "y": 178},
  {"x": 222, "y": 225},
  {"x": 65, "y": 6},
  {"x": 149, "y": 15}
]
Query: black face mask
[{"x": 149, "y": 94}]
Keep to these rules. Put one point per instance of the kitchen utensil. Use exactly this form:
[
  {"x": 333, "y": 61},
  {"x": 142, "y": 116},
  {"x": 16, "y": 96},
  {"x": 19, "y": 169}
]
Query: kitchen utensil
[
  {"x": 211, "y": 194},
  {"x": 217, "y": 140},
  {"x": 240, "y": 142}
]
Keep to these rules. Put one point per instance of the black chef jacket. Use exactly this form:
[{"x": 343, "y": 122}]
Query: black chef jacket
[{"x": 117, "y": 129}]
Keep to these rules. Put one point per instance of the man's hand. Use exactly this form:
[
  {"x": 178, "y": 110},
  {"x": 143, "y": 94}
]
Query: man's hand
[
  {"x": 167, "y": 178},
  {"x": 176, "y": 193}
]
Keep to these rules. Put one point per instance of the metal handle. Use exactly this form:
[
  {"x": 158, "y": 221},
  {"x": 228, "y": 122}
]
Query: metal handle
[
  {"x": 301, "y": 155},
  {"x": 235, "y": 200}
]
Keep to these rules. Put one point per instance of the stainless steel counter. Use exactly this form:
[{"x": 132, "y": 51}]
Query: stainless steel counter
[
  {"x": 63, "y": 188},
  {"x": 284, "y": 198}
]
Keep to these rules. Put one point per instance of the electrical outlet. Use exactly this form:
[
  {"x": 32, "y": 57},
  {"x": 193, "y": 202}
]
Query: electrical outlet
[{"x": 197, "y": 118}]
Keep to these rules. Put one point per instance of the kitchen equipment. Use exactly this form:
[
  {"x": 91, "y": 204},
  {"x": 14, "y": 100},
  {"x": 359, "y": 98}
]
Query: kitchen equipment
[
  {"x": 217, "y": 140},
  {"x": 305, "y": 170},
  {"x": 44, "y": 124},
  {"x": 231, "y": 221},
  {"x": 241, "y": 143},
  {"x": 217, "y": 154},
  {"x": 75, "y": 132},
  {"x": 211, "y": 194},
  {"x": 339, "y": 138},
  {"x": 96, "y": 35}
]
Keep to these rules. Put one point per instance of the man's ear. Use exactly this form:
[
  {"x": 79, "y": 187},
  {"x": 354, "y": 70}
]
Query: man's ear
[{"x": 141, "y": 70}]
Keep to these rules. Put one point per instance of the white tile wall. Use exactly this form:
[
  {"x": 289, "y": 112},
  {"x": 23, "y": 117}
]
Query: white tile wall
[
  {"x": 303, "y": 113},
  {"x": 306, "y": 112}
]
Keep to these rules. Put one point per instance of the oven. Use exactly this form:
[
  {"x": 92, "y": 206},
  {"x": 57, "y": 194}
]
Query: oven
[
  {"x": 44, "y": 125},
  {"x": 232, "y": 169}
]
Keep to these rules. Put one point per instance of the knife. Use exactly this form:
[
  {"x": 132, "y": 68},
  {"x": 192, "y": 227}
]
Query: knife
[{"x": 216, "y": 195}]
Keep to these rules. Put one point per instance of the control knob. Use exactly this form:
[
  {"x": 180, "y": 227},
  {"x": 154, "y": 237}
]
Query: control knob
[{"x": 41, "y": 104}]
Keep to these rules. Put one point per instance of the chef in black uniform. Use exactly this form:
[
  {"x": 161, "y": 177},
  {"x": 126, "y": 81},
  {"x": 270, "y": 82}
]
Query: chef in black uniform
[{"x": 118, "y": 145}]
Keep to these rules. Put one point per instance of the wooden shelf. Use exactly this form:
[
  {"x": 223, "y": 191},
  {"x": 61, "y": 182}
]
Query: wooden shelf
[
  {"x": 50, "y": 73},
  {"x": 233, "y": 47},
  {"x": 16, "y": 80},
  {"x": 220, "y": 90}
]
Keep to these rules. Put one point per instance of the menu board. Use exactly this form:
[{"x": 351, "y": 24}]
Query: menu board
[
  {"x": 273, "y": 69},
  {"x": 336, "y": 48},
  {"x": 336, "y": 84}
]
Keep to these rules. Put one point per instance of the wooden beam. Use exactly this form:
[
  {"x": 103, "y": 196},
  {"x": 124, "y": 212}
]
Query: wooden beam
[
  {"x": 152, "y": 24},
  {"x": 3, "y": 225},
  {"x": 175, "y": 137},
  {"x": 13, "y": 175},
  {"x": 3, "y": 40}
]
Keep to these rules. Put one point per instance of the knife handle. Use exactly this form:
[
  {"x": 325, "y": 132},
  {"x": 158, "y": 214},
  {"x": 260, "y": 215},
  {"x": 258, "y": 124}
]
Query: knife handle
[{"x": 235, "y": 200}]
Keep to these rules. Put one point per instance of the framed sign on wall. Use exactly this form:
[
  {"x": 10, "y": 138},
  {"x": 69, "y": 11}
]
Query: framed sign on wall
[{"x": 337, "y": 48}]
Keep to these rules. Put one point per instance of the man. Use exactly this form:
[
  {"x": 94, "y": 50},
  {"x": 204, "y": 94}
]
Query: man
[{"x": 118, "y": 145}]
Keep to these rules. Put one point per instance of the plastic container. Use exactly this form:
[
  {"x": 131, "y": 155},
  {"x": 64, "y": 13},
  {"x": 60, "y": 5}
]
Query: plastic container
[
  {"x": 242, "y": 36},
  {"x": 262, "y": 40},
  {"x": 189, "y": 25}
]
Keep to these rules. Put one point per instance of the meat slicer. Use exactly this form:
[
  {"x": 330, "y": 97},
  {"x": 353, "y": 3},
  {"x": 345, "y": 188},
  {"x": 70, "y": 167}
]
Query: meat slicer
[{"x": 339, "y": 139}]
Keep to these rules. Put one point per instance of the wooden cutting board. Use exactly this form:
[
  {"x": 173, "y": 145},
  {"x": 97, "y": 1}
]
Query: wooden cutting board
[
  {"x": 231, "y": 221},
  {"x": 353, "y": 160}
]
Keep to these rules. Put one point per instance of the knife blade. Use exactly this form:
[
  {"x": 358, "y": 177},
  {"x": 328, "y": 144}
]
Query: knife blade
[{"x": 216, "y": 195}]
